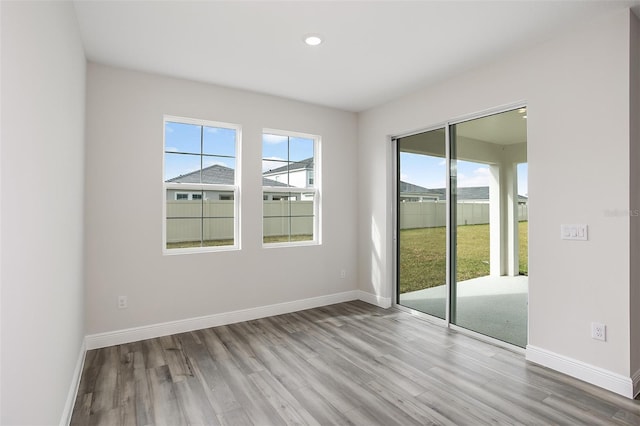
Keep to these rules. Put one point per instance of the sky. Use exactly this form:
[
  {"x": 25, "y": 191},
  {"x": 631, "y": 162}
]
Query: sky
[
  {"x": 276, "y": 151},
  {"x": 430, "y": 172},
  {"x": 185, "y": 142},
  {"x": 219, "y": 145}
]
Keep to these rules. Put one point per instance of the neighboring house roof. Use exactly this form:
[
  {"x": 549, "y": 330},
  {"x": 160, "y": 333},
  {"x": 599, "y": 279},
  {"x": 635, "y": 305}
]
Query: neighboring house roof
[
  {"x": 409, "y": 188},
  {"x": 217, "y": 174},
  {"x": 466, "y": 193},
  {"x": 306, "y": 164}
]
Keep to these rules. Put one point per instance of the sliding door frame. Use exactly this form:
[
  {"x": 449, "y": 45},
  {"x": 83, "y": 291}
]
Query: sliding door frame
[{"x": 451, "y": 223}]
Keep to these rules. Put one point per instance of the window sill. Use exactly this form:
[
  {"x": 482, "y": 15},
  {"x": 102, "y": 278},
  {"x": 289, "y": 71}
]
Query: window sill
[{"x": 196, "y": 250}]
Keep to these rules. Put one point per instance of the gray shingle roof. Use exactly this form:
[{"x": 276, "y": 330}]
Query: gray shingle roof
[
  {"x": 466, "y": 193},
  {"x": 307, "y": 163},
  {"x": 218, "y": 175},
  {"x": 409, "y": 188}
]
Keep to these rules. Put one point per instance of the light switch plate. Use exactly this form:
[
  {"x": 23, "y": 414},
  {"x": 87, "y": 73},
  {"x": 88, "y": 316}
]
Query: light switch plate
[{"x": 577, "y": 232}]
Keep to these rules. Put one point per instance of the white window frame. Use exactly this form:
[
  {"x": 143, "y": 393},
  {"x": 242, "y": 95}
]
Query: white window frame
[
  {"x": 316, "y": 190},
  {"x": 187, "y": 187}
]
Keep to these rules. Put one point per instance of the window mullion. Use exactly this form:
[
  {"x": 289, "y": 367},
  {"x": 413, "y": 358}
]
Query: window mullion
[{"x": 201, "y": 178}]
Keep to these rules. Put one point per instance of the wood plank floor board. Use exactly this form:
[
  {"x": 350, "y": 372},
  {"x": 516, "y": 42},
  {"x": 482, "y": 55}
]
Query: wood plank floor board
[
  {"x": 506, "y": 412},
  {"x": 285, "y": 372},
  {"x": 194, "y": 403},
  {"x": 143, "y": 402},
  {"x": 346, "y": 364},
  {"x": 529, "y": 399},
  {"x": 238, "y": 349},
  {"x": 237, "y": 417},
  {"x": 165, "y": 407},
  {"x": 82, "y": 410},
  {"x": 153, "y": 353},
  {"x": 419, "y": 412},
  {"x": 206, "y": 371},
  {"x": 321, "y": 409},
  {"x": 627, "y": 418},
  {"x": 355, "y": 391},
  {"x": 580, "y": 415},
  {"x": 257, "y": 408},
  {"x": 105, "y": 391},
  {"x": 281, "y": 399},
  {"x": 126, "y": 386}
]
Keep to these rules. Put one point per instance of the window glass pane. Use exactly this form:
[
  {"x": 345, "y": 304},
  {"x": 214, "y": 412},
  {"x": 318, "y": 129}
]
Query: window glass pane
[
  {"x": 218, "y": 212},
  {"x": 184, "y": 224},
  {"x": 276, "y": 222},
  {"x": 422, "y": 216},
  {"x": 275, "y": 173},
  {"x": 276, "y": 229},
  {"x": 183, "y": 168},
  {"x": 180, "y": 137},
  {"x": 302, "y": 217},
  {"x": 183, "y": 233},
  {"x": 276, "y": 204},
  {"x": 275, "y": 147},
  {"x": 219, "y": 141},
  {"x": 301, "y": 228},
  {"x": 218, "y": 170},
  {"x": 300, "y": 149}
]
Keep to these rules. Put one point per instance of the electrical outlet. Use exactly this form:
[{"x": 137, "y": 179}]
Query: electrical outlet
[
  {"x": 122, "y": 302},
  {"x": 598, "y": 331},
  {"x": 343, "y": 273}
]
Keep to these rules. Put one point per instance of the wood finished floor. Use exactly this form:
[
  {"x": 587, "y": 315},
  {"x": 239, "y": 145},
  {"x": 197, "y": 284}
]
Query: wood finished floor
[{"x": 350, "y": 363}]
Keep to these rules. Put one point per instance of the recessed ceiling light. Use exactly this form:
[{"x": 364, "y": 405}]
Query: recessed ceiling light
[{"x": 312, "y": 39}]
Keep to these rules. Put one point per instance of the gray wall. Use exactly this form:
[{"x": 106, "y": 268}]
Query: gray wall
[
  {"x": 577, "y": 90},
  {"x": 42, "y": 166},
  {"x": 634, "y": 163},
  {"x": 124, "y": 248}
]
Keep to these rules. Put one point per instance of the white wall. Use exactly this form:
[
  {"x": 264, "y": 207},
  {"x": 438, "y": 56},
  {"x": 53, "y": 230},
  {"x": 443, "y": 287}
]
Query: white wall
[
  {"x": 577, "y": 92},
  {"x": 124, "y": 248},
  {"x": 634, "y": 113},
  {"x": 42, "y": 158}
]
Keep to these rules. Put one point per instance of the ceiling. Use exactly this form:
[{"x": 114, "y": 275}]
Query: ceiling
[
  {"x": 373, "y": 51},
  {"x": 506, "y": 128}
]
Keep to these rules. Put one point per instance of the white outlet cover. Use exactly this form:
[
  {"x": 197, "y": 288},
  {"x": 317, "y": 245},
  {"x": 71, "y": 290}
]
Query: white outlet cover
[{"x": 598, "y": 331}]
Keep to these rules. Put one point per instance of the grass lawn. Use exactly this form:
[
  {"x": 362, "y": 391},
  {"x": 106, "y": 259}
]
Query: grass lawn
[{"x": 423, "y": 255}]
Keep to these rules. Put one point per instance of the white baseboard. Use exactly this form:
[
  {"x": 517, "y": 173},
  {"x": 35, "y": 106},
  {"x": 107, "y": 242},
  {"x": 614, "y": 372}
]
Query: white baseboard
[
  {"x": 374, "y": 299},
  {"x": 102, "y": 340},
  {"x": 73, "y": 388},
  {"x": 600, "y": 377}
]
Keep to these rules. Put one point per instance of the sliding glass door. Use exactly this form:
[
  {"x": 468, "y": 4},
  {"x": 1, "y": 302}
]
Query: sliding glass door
[
  {"x": 422, "y": 234},
  {"x": 481, "y": 274}
]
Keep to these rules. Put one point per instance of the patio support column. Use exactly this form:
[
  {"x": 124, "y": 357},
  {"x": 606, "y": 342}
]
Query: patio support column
[
  {"x": 496, "y": 228},
  {"x": 511, "y": 219}
]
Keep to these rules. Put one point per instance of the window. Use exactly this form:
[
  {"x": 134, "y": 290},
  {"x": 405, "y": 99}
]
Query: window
[
  {"x": 188, "y": 196},
  {"x": 200, "y": 185},
  {"x": 291, "y": 194}
]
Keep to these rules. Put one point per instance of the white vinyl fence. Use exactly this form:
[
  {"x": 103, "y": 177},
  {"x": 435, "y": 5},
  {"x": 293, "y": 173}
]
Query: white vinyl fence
[
  {"x": 185, "y": 223},
  {"x": 432, "y": 214},
  {"x": 213, "y": 219}
]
